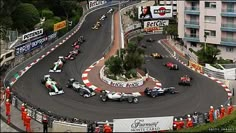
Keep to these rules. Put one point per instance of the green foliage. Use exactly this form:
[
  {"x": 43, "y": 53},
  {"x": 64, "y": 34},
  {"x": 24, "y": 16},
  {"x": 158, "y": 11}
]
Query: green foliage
[
  {"x": 227, "y": 122},
  {"x": 115, "y": 65},
  {"x": 172, "y": 30},
  {"x": 139, "y": 39},
  {"x": 25, "y": 17},
  {"x": 47, "y": 13},
  {"x": 223, "y": 61},
  {"x": 208, "y": 55},
  {"x": 128, "y": 60}
]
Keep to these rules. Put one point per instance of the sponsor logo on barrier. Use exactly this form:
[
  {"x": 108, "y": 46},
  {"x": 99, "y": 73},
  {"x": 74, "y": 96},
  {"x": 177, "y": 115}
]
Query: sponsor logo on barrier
[
  {"x": 29, "y": 46},
  {"x": 95, "y": 3},
  {"x": 32, "y": 34},
  {"x": 143, "y": 124},
  {"x": 196, "y": 66},
  {"x": 156, "y": 25},
  {"x": 38, "y": 116},
  {"x": 59, "y": 25}
]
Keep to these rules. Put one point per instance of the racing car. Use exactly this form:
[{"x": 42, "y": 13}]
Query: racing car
[
  {"x": 156, "y": 55},
  {"x": 150, "y": 40},
  {"x": 157, "y": 91},
  {"x": 110, "y": 11},
  {"x": 58, "y": 64},
  {"x": 51, "y": 85},
  {"x": 96, "y": 26},
  {"x": 81, "y": 89},
  {"x": 171, "y": 66},
  {"x": 185, "y": 80},
  {"x": 118, "y": 96},
  {"x": 79, "y": 41},
  {"x": 103, "y": 17},
  {"x": 72, "y": 54}
]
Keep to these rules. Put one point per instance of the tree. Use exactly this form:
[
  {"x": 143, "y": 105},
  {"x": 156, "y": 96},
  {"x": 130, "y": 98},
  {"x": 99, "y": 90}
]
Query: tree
[
  {"x": 208, "y": 55},
  {"x": 47, "y": 13},
  {"x": 172, "y": 30},
  {"x": 25, "y": 17},
  {"x": 115, "y": 65}
]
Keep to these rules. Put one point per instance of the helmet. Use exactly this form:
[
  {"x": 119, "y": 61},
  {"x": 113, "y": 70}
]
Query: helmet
[
  {"x": 228, "y": 104},
  {"x": 181, "y": 119},
  {"x": 25, "y": 110},
  {"x": 175, "y": 119},
  {"x": 8, "y": 87},
  {"x": 188, "y": 115},
  {"x": 221, "y": 106},
  {"x": 28, "y": 114},
  {"x": 211, "y": 107},
  {"x": 22, "y": 104},
  {"x": 7, "y": 100}
]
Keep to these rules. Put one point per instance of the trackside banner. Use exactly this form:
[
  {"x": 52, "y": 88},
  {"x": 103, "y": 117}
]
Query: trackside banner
[
  {"x": 155, "y": 25},
  {"x": 95, "y": 3},
  {"x": 143, "y": 124},
  {"x": 32, "y": 34}
]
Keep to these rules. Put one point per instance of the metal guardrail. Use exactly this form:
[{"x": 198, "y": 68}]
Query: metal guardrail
[{"x": 219, "y": 75}]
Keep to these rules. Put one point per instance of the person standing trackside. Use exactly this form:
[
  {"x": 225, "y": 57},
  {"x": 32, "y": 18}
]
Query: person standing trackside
[
  {"x": 230, "y": 109},
  {"x": 45, "y": 124}
]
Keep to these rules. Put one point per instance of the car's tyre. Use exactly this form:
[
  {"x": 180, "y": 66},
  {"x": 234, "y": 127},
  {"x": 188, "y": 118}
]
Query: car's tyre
[
  {"x": 135, "y": 100},
  {"x": 43, "y": 81},
  {"x": 153, "y": 95},
  {"x": 104, "y": 98},
  {"x": 130, "y": 99},
  {"x": 81, "y": 93}
]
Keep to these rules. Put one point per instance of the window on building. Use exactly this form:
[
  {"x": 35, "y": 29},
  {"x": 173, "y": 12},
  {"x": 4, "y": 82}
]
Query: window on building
[
  {"x": 193, "y": 32},
  {"x": 230, "y": 7},
  {"x": 193, "y": 44},
  {"x": 210, "y": 33},
  {"x": 194, "y": 5},
  {"x": 229, "y": 49},
  {"x": 210, "y": 19},
  {"x": 210, "y": 4},
  {"x": 230, "y": 20}
]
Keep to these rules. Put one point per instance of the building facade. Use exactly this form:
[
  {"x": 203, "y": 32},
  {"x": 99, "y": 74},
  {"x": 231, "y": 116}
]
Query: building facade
[
  {"x": 172, "y": 3},
  {"x": 213, "y": 22}
]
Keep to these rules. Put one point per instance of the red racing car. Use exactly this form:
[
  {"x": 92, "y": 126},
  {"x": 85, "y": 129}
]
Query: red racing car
[
  {"x": 72, "y": 54},
  {"x": 185, "y": 80},
  {"x": 171, "y": 66}
]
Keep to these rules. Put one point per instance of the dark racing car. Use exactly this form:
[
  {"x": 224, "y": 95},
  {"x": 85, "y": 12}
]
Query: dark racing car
[
  {"x": 157, "y": 91},
  {"x": 156, "y": 56},
  {"x": 171, "y": 66},
  {"x": 81, "y": 89},
  {"x": 51, "y": 85}
]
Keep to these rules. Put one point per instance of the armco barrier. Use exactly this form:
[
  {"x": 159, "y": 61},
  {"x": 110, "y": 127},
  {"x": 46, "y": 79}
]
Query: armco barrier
[{"x": 15, "y": 73}]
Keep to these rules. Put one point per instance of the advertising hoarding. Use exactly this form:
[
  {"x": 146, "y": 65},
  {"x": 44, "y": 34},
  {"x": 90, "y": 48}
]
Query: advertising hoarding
[
  {"x": 32, "y": 34},
  {"x": 29, "y": 46},
  {"x": 154, "y": 12},
  {"x": 143, "y": 124},
  {"x": 59, "y": 25},
  {"x": 155, "y": 25},
  {"x": 95, "y": 3}
]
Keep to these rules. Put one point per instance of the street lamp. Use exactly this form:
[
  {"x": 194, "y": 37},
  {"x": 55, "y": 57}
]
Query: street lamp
[{"x": 205, "y": 37}]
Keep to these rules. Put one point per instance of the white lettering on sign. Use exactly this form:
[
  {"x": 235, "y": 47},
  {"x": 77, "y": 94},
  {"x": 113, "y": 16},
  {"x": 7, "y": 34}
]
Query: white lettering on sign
[
  {"x": 156, "y": 23},
  {"x": 93, "y": 4},
  {"x": 32, "y": 34}
]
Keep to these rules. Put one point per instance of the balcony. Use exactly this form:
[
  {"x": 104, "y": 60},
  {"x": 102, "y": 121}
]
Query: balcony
[
  {"x": 192, "y": 24},
  {"x": 228, "y": 41},
  {"x": 230, "y": 12},
  {"x": 228, "y": 27},
  {"x": 228, "y": 0},
  {"x": 191, "y": 37},
  {"x": 192, "y": 10}
]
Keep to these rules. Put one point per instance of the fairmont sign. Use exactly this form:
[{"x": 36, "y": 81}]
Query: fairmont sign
[
  {"x": 32, "y": 34},
  {"x": 143, "y": 124}
]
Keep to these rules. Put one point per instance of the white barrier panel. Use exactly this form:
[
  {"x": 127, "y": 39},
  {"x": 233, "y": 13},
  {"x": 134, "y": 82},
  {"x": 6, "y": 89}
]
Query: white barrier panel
[
  {"x": 59, "y": 126},
  {"x": 115, "y": 83},
  {"x": 143, "y": 124}
]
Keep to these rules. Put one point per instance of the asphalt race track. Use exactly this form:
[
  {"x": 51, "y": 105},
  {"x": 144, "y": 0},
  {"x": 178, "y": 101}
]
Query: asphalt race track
[{"x": 203, "y": 92}]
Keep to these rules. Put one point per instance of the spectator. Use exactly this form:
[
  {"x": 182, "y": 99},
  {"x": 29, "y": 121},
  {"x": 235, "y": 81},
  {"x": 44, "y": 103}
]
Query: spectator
[
  {"x": 45, "y": 124},
  {"x": 195, "y": 118},
  {"x": 189, "y": 123},
  {"x": 211, "y": 114},
  {"x": 175, "y": 124},
  {"x": 222, "y": 111},
  {"x": 230, "y": 109},
  {"x": 181, "y": 124}
]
